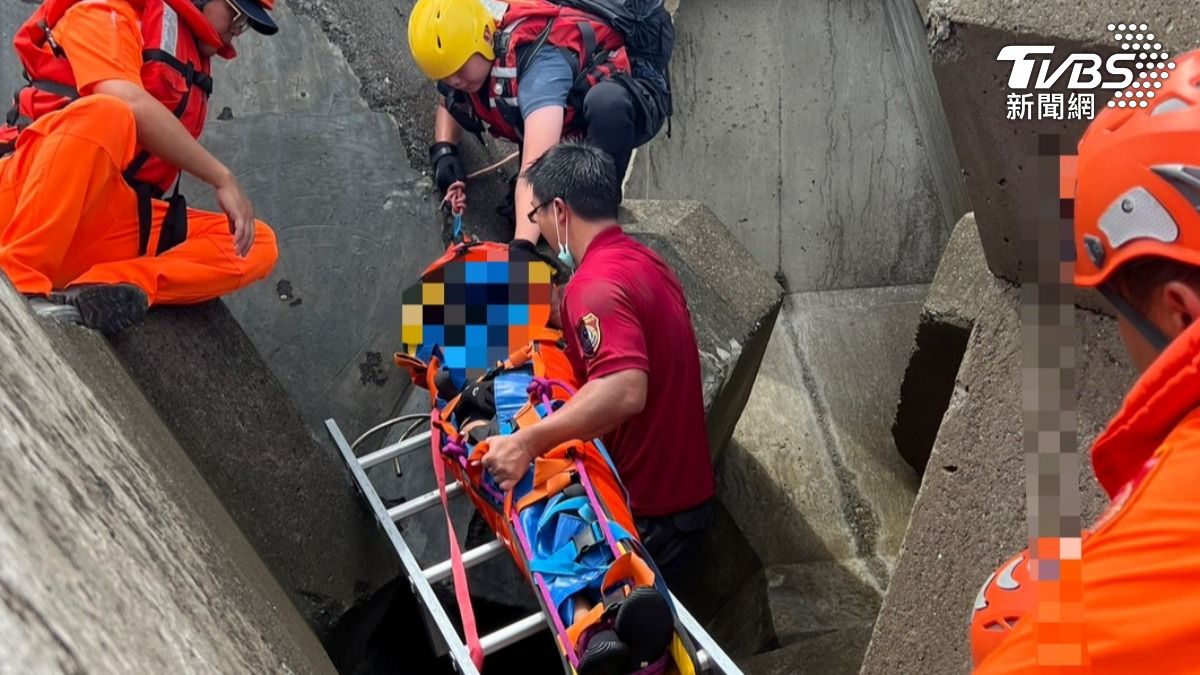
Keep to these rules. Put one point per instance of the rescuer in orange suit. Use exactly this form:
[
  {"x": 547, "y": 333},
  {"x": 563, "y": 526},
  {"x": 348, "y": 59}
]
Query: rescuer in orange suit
[
  {"x": 1137, "y": 240},
  {"x": 117, "y": 97}
]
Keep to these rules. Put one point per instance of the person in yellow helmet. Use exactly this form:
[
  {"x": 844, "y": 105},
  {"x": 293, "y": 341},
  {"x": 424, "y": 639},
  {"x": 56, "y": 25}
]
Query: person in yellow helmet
[{"x": 534, "y": 72}]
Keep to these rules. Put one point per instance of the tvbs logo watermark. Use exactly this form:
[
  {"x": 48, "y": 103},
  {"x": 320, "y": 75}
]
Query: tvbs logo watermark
[{"x": 1135, "y": 73}]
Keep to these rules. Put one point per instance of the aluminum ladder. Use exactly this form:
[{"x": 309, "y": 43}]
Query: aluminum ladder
[{"x": 712, "y": 658}]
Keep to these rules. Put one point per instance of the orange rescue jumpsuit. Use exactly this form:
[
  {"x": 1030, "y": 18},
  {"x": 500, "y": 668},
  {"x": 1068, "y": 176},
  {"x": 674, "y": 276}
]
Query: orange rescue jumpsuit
[
  {"x": 1141, "y": 564},
  {"x": 67, "y": 216}
]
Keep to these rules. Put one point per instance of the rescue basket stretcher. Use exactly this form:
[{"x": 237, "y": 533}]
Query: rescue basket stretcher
[
  {"x": 710, "y": 657},
  {"x": 566, "y": 525}
]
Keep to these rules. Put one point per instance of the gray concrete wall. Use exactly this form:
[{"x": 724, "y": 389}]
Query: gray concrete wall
[
  {"x": 815, "y": 441},
  {"x": 998, "y": 155},
  {"x": 12, "y": 14},
  {"x": 803, "y": 126},
  {"x": 292, "y": 496},
  {"x": 814, "y": 450},
  {"x": 114, "y": 554},
  {"x": 355, "y": 220}
]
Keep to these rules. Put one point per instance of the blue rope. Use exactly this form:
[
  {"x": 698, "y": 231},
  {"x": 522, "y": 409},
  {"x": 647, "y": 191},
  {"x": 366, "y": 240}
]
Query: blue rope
[{"x": 458, "y": 226}]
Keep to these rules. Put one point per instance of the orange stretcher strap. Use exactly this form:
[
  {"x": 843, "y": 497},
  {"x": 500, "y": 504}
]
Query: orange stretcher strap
[
  {"x": 416, "y": 367},
  {"x": 628, "y": 567},
  {"x": 576, "y": 630}
]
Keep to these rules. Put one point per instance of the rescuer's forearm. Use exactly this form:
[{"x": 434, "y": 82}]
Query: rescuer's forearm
[
  {"x": 543, "y": 130},
  {"x": 445, "y": 127},
  {"x": 597, "y": 408}
]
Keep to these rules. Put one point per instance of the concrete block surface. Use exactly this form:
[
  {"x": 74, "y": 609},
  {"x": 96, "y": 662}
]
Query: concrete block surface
[
  {"x": 998, "y": 155},
  {"x": 837, "y": 652},
  {"x": 115, "y": 556},
  {"x": 353, "y": 219},
  {"x": 970, "y": 513},
  {"x": 811, "y": 599},
  {"x": 291, "y": 495},
  {"x": 819, "y": 146},
  {"x": 815, "y": 444}
]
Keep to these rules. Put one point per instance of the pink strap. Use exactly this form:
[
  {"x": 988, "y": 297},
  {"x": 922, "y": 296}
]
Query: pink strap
[{"x": 461, "y": 593}]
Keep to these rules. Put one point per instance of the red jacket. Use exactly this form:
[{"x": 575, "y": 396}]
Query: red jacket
[{"x": 597, "y": 53}]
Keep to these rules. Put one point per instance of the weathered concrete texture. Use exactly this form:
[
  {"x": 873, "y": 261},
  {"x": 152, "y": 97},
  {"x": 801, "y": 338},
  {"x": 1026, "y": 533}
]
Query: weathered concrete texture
[
  {"x": 961, "y": 289},
  {"x": 733, "y": 302},
  {"x": 810, "y": 599},
  {"x": 814, "y": 449},
  {"x": 838, "y": 652},
  {"x": 352, "y": 217},
  {"x": 807, "y": 143},
  {"x": 998, "y": 154},
  {"x": 115, "y": 556},
  {"x": 291, "y": 495},
  {"x": 12, "y": 14},
  {"x": 374, "y": 37},
  {"x": 814, "y": 442},
  {"x": 970, "y": 512}
]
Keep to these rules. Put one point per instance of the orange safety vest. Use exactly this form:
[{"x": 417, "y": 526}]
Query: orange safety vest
[
  {"x": 1140, "y": 563},
  {"x": 595, "y": 50},
  {"x": 173, "y": 71}
]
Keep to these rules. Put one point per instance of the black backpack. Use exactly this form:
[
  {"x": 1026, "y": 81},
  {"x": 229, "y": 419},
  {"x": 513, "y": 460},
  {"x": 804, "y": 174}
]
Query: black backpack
[{"x": 649, "y": 38}]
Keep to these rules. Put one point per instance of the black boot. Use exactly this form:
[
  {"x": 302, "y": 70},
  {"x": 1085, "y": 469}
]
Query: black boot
[
  {"x": 108, "y": 308},
  {"x": 605, "y": 655},
  {"x": 645, "y": 624}
]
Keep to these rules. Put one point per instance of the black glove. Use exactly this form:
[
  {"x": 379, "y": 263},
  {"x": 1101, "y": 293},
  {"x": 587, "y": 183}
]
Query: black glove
[{"x": 447, "y": 167}]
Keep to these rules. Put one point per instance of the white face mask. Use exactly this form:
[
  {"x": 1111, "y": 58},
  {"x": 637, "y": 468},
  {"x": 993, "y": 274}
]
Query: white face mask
[{"x": 564, "y": 250}]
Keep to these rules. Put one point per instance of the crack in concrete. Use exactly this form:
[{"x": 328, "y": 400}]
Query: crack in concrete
[{"x": 861, "y": 520}]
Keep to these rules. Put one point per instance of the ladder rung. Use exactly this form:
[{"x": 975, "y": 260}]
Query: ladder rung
[
  {"x": 395, "y": 450},
  {"x": 419, "y": 504},
  {"x": 471, "y": 558},
  {"x": 513, "y": 633}
]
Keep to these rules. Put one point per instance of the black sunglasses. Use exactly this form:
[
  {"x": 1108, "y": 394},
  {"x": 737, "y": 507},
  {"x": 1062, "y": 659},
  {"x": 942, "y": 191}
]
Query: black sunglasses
[{"x": 539, "y": 207}]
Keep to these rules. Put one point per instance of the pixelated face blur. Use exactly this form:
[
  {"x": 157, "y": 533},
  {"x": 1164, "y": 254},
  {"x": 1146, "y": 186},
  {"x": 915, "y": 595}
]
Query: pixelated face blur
[
  {"x": 472, "y": 75},
  {"x": 478, "y": 309}
]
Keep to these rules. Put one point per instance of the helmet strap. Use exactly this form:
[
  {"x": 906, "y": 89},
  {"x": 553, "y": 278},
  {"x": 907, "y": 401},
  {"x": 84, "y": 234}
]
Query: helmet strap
[{"x": 1152, "y": 333}]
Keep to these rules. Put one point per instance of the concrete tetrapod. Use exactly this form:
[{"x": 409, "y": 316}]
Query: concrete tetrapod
[
  {"x": 288, "y": 492},
  {"x": 115, "y": 556},
  {"x": 998, "y": 154},
  {"x": 352, "y": 216},
  {"x": 970, "y": 512}
]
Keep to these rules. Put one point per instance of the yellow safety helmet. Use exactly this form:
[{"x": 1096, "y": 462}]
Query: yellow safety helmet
[{"x": 443, "y": 34}]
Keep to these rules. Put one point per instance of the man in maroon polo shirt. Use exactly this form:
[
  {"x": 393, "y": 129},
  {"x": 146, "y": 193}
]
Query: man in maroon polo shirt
[{"x": 630, "y": 339}]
